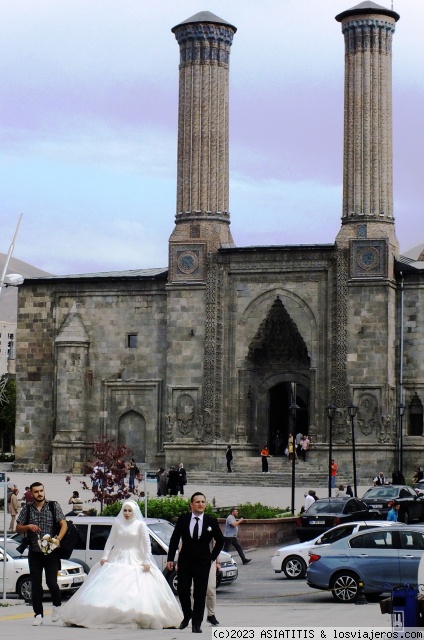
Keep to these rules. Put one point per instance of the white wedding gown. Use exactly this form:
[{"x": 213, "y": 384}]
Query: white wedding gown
[{"x": 121, "y": 593}]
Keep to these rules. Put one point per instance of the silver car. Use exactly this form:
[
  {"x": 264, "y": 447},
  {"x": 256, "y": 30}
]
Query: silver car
[
  {"x": 380, "y": 558},
  {"x": 292, "y": 559},
  {"x": 69, "y": 578}
]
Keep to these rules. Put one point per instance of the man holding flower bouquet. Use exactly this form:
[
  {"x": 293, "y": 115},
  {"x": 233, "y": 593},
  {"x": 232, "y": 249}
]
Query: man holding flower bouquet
[{"x": 39, "y": 521}]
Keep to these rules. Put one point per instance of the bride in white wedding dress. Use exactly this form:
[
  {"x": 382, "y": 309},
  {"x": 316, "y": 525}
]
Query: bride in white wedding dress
[{"x": 126, "y": 588}]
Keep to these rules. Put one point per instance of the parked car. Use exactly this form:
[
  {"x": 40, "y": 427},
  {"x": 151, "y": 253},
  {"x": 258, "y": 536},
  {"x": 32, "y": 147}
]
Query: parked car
[
  {"x": 69, "y": 578},
  {"x": 94, "y": 531},
  {"x": 411, "y": 504},
  {"x": 381, "y": 558},
  {"x": 418, "y": 487},
  {"x": 329, "y": 512},
  {"x": 292, "y": 559}
]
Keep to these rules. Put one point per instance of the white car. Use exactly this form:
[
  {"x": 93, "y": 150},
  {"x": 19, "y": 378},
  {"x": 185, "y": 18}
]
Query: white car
[
  {"x": 69, "y": 578},
  {"x": 293, "y": 559}
]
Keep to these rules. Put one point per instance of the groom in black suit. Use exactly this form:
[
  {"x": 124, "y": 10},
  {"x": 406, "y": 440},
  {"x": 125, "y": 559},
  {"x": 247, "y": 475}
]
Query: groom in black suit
[{"x": 196, "y": 530}]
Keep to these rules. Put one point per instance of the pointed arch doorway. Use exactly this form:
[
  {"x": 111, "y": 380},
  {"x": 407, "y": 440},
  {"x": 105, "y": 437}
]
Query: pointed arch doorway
[{"x": 280, "y": 423}]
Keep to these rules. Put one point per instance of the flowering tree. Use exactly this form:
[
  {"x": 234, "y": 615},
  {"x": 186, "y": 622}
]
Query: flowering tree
[{"x": 108, "y": 470}]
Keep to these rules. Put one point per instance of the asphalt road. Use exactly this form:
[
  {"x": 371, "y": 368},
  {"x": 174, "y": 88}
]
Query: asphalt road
[{"x": 258, "y": 582}]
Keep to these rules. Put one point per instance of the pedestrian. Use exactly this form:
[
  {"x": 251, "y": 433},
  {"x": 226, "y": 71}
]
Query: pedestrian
[
  {"x": 291, "y": 447},
  {"x": 333, "y": 470},
  {"x": 182, "y": 475},
  {"x": 196, "y": 531},
  {"x": 13, "y": 508},
  {"x": 305, "y": 447},
  {"x": 230, "y": 534},
  {"x": 299, "y": 438},
  {"x": 349, "y": 490},
  {"x": 393, "y": 513},
  {"x": 265, "y": 456},
  {"x": 229, "y": 457},
  {"x": 309, "y": 499},
  {"x": 277, "y": 444},
  {"x": 126, "y": 588},
  {"x": 27, "y": 497},
  {"x": 211, "y": 594},
  {"x": 398, "y": 477},
  {"x": 163, "y": 482},
  {"x": 38, "y": 519},
  {"x": 132, "y": 472},
  {"x": 380, "y": 479},
  {"x": 173, "y": 481},
  {"x": 77, "y": 504},
  {"x": 418, "y": 475},
  {"x": 158, "y": 475},
  {"x": 340, "y": 491}
]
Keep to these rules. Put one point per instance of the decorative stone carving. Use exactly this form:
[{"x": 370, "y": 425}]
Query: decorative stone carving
[
  {"x": 386, "y": 429},
  {"x": 169, "y": 428},
  {"x": 278, "y": 339},
  {"x": 185, "y": 414},
  {"x": 367, "y": 414}
]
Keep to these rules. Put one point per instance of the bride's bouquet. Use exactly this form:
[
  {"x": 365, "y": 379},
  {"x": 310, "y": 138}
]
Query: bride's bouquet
[{"x": 47, "y": 544}]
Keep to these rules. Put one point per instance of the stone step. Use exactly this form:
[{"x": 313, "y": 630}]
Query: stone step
[{"x": 309, "y": 480}]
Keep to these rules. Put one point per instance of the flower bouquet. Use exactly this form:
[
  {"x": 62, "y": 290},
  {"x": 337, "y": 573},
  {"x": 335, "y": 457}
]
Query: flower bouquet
[{"x": 47, "y": 544}]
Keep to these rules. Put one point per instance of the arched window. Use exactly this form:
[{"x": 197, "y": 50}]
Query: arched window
[{"x": 415, "y": 416}]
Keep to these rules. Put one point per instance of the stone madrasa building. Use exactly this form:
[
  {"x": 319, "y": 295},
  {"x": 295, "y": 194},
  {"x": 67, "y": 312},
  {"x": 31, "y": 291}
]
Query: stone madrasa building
[{"x": 214, "y": 349}]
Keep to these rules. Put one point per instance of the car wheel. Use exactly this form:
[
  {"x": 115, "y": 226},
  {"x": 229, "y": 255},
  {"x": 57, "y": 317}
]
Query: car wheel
[
  {"x": 344, "y": 587},
  {"x": 294, "y": 567},
  {"x": 172, "y": 580},
  {"x": 24, "y": 588}
]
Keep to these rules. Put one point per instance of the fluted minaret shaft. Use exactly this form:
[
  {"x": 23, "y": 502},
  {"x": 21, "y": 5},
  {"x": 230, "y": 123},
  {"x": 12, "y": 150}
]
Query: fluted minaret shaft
[
  {"x": 203, "y": 121},
  {"x": 367, "y": 167}
]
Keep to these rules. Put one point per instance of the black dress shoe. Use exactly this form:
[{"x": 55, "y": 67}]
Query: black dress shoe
[
  {"x": 196, "y": 628},
  {"x": 184, "y": 623},
  {"x": 247, "y": 561},
  {"x": 212, "y": 620}
]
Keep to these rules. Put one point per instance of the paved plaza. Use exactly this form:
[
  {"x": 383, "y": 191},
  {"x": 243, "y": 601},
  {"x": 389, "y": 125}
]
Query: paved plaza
[{"x": 16, "y": 617}]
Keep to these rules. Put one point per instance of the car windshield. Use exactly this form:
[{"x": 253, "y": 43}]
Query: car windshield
[
  {"x": 163, "y": 530},
  {"x": 325, "y": 507},
  {"x": 382, "y": 492},
  {"x": 11, "y": 549}
]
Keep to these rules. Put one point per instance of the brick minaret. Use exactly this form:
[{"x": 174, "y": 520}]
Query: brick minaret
[
  {"x": 367, "y": 168},
  {"x": 365, "y": 342},
  {"x": 202, "y": 216}
]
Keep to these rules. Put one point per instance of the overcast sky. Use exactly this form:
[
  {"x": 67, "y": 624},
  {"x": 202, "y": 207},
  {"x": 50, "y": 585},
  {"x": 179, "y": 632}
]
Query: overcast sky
[{"x": 88, "y": 126}]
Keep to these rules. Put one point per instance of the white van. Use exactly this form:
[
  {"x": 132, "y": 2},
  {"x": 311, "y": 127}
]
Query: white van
[{"x": 94, "y": 531}]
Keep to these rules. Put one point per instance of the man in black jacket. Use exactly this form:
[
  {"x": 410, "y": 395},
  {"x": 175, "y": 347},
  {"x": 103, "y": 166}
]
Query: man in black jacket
[{"x": 196, "y": 531}]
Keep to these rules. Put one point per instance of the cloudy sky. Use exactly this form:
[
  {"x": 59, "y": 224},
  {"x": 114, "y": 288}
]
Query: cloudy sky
[{"x": 88, "y": 126}]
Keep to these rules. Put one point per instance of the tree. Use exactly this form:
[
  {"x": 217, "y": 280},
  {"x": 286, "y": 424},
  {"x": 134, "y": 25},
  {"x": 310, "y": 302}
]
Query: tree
[
  {"x": 108, "y": 471},
  {"x": 7, "y": 413}
]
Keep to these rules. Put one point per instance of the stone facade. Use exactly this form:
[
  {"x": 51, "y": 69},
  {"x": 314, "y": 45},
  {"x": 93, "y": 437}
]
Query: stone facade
[{"x": 177, "y": 363}]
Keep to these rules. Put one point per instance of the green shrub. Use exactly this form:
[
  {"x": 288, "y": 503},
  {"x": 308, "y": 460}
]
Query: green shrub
[
  {"x": 166, "y": 508},
  {"x": 172, "y": 507},
  {"x": 255, "y": 511}
]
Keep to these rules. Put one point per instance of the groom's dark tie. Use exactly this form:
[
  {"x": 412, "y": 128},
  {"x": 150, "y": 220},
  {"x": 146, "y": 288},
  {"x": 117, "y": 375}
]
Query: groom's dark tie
[{"x": 196, "y": 530}]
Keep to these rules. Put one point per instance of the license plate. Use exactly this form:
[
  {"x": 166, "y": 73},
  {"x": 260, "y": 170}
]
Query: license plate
[
  {"x": 77, "y": 580},
  {"x": 376, "y": 506},
  {"x": 316, "y": 521},
  {"x": 230, "y": 573}
]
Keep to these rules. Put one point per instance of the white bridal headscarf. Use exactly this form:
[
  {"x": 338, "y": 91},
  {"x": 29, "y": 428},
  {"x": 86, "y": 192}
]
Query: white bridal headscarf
[{"x": 121, "y": 521}]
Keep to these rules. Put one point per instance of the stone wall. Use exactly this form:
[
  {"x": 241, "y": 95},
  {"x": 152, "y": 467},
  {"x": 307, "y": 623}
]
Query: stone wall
[{"x": 265, "y": 533}]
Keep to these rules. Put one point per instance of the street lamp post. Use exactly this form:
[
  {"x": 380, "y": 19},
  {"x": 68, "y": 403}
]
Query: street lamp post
[
  {"x": 352, "y": 411},
  {"x": 401, "y": 412},
  {"x": 293, "y": 411},
  {"x": 331, "y": 412}
]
